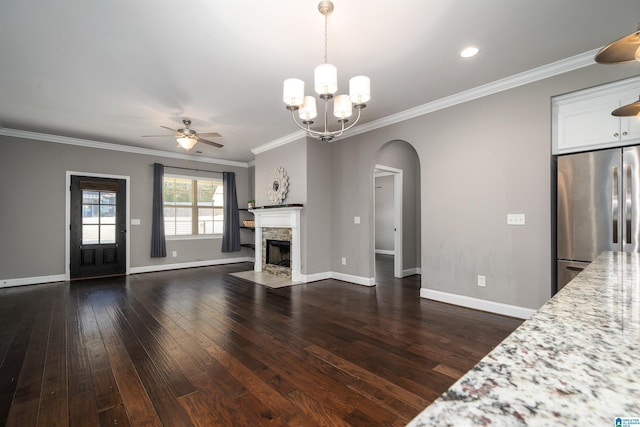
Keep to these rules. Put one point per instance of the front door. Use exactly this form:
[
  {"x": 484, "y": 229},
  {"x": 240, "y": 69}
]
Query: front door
[{"x": 98, "y": 227}]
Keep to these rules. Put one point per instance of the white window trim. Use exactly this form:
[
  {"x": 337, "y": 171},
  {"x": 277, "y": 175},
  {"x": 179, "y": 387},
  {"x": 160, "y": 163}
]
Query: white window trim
[{"x": 193, "y": 236}]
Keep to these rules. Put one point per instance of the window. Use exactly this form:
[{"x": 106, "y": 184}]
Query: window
[{"x": 192, "y": 206}]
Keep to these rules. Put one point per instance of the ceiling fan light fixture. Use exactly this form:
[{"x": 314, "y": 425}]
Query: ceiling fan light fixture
[
  {"x": 186, "y": 142},
  {"x": 625, "y": 49}
]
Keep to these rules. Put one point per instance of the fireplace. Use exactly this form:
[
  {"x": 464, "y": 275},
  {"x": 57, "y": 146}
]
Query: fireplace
[
  {"x": 278, "y": 252},
  {"x": 278, "y": 223}
]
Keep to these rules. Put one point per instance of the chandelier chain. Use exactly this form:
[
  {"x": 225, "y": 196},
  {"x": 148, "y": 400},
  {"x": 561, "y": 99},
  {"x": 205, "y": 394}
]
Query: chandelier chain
[{"x": 325, "y": 38}]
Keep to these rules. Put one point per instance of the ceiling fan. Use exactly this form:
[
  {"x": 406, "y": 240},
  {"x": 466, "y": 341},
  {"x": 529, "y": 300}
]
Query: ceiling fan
[{"x": 187, "y": 137}]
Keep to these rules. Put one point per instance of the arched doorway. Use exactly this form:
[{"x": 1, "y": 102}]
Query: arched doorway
[{"x": 396, "y": 208}]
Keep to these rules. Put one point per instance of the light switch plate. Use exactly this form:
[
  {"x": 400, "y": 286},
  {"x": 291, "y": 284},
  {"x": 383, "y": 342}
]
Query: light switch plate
[
  {"x": 356, "y": 220},
  {"x": 135, "y": 221},
  {"x": 515, "y": 219}
]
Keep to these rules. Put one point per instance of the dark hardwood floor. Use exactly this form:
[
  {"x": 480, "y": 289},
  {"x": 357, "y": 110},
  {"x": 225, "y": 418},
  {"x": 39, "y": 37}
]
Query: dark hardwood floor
[{"x": 200, "y": 347}]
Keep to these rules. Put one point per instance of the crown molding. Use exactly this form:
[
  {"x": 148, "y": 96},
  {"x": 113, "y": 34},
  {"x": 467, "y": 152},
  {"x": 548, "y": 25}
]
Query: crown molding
[
  {"x": 536, "y": 74},
  {"x": 278, "y": 142},
  {"x": 16, "y": 133}
]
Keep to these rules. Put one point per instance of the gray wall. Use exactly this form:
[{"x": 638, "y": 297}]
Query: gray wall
[
  {"x": 317, "y": 213},
  {"x": 306, "y": 162},
  {"x": 401, "y": 155},
  {"x": 251, "y": 185},
  {"x": 293, "y": 158},
  {"x": 479, "y": 161},
  {"x": 33, "y": 205},
  {"x": 384, "y": 213}
]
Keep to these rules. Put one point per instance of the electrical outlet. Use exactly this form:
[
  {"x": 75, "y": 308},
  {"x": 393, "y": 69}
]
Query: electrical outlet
[
  {"x": 174, "y": 254},
  {"x": 482, "y": 281},
  {"x": 344, "y": 261}
]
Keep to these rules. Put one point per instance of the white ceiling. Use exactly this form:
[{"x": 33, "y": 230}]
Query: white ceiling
[{"x": 111, "y": 71}]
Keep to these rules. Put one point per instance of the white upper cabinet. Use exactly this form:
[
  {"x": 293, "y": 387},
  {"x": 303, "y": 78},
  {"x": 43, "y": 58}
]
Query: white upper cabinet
[{"x": 582, "y": 120}]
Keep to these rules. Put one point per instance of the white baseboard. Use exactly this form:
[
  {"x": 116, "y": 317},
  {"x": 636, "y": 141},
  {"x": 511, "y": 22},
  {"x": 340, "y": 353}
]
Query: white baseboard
[
  {"x": 358, "y": 280},
  {"x": 306, "y": 278},
  {"x": 411, "y": 272},
  {"x": 7, "y": 283},
  {"x": 207, "y": 263},
  {"x": 385, "y": 252},
  {"x": 478, "y": 304}
]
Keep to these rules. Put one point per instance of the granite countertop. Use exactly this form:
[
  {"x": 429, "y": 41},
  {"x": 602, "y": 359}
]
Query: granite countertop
[{"x": 575, "y": 362}]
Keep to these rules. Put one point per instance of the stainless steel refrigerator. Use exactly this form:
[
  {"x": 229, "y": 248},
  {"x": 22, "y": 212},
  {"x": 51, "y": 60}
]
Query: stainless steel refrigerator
[{"x": 597, "y": 207}]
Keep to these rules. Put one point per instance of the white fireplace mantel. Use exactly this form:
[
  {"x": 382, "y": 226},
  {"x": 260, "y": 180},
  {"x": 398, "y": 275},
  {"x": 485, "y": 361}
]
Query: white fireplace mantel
[{"x": 284, "y": 217}]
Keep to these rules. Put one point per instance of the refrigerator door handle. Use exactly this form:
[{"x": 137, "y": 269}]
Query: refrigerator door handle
[
  {"x": 614, "y": 204},
  {"x": 627, "y": 204}
]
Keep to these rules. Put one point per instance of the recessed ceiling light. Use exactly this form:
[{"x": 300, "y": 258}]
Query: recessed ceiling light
[{"x": 470, "y": 51}]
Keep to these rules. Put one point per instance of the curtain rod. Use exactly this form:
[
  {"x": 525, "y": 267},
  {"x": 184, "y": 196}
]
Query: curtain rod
[{"x": 189, "y": 169}]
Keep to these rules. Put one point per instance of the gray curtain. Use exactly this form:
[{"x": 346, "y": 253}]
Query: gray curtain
[
  {"x": 158, "y": 241},
  {"x": 231, "y": 226}
]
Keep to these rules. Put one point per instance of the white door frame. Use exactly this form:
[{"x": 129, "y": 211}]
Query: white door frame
[
  {"x": 67, "y": 232},
  {"x": 398, "y": 270}
]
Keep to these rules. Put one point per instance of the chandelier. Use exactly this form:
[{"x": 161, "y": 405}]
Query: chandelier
[
  {"x": 326, "y": 85},
  {"x": 625, "y": 49}
]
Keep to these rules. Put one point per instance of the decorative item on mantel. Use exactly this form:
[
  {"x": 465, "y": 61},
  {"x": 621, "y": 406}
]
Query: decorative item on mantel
[
  {"x": 277, "y": 186},
  {"x": 251, "y": 204}
]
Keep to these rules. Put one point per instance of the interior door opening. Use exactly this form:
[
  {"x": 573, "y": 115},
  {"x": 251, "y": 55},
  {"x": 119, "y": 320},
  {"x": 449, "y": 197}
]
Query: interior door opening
[{"x": 396, "y": 208}]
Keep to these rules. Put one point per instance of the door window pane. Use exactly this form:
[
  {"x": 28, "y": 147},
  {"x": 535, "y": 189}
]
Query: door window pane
[
  {"x": 107, "y": 198},
  {"x": 90, "y": 234},
  {"x": 107, "y": 234},
  {"x": 107, "y": 214},
  {"x": 90, "y": 197},
  {"x": 98, "y": 217}
]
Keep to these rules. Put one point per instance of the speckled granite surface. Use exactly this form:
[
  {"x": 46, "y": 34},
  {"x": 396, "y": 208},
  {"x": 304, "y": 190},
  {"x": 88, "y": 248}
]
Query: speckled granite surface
[{"x": 575, "y": 362}]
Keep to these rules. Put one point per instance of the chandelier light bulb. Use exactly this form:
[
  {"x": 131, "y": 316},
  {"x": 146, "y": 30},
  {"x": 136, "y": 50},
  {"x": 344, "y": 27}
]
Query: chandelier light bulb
[
  {"x": 308, "y": 110},
  {"x": 359, "y": 89},
  {"x": 293, "y": 92},
  {"x": 342, "y": 107},
  {"x": 326, "y": 79}
]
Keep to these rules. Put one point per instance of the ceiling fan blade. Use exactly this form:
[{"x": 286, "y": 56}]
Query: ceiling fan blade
[
  {"x": 215, "y": 144},
  {"x": 212, "y": 134},
  {"x": 167, "y": 128}
]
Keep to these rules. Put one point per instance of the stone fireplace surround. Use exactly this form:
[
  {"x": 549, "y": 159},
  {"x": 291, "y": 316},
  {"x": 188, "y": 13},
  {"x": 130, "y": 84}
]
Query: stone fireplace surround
[{"x": 286, "y": 216}]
